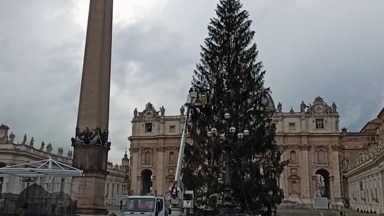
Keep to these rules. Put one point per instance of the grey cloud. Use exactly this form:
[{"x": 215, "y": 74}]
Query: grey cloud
[
  {"x": 149, "y": 64},
  {"x": 40, "y": 59},
  {"x": 324, "y": 49}
]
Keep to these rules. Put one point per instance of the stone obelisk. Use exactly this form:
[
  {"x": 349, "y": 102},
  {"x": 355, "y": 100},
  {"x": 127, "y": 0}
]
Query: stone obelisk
[{"x": 90, "y": 143}]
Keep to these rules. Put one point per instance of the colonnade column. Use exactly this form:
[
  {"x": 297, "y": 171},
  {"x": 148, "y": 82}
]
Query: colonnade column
[{"x": 306, "y": 174}]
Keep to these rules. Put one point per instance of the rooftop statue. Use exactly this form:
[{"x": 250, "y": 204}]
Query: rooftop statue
[
  {"x": 11, "y": 137},
  {"x": 49, "y": 148},
  {"x": 302, "y": 106},
  {"x": 31, "y": 141},
  {"x": 162, "y": 110},
  {"x": 279, "y": 107},
  {"x": 334, "y": 107},
  {"x": 24, "y": 139}
]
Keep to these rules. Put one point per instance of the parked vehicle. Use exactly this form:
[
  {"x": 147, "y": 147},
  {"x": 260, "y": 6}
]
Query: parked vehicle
[{"x": 144, "y": 205}]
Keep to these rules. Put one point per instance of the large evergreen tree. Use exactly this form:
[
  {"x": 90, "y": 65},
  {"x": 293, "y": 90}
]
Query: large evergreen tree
[{"x": 232, "y": 78}]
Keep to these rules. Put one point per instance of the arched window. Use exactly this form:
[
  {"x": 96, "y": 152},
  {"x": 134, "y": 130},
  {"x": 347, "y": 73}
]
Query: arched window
[
  {"x": 107, "y": 190},
  {"x": 1, "y": 184},
  {"x": 171, "y": 158},
  {"x": 2, "y": 164},
  {"x": 321, "y": 156},
  {"x": 347, "y": 162},
  {"x": 147, "y": 158},
  {"x": 292, "y": 157},
  {"x": 113, "y": 189}
]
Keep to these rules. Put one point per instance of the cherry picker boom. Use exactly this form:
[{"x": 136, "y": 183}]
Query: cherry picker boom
[{"x": 182, "y": 201}]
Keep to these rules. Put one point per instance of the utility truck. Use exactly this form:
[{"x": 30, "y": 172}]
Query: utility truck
[{"x": 144, "y": 205}]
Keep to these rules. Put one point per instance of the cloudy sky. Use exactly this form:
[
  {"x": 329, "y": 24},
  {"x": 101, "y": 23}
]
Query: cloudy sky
[{"x": 328, "y": 48}]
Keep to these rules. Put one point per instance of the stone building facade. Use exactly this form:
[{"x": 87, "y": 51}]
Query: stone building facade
[
  {"x": 320, "y": 154},
  {"x": 12, "y": 153},
  {"x": 117, "y": 183},
  {"x": 364, "y": 170},
  {"x": 154, "y": 149},
  {"x": 310, "y": 140}
]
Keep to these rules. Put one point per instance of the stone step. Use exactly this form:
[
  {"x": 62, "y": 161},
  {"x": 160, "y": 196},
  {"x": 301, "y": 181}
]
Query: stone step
[{"x": 308, "y": 212}]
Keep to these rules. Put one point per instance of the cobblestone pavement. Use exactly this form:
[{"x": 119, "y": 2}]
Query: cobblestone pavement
[
  {"x": 300, "y": 212},
  {"x": 313, "y": 212}
]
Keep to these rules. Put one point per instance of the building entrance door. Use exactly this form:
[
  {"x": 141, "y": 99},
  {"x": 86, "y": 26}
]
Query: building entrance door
[
  {"x": 147, "y": 181},
  {"x": 322, "y": 184}
]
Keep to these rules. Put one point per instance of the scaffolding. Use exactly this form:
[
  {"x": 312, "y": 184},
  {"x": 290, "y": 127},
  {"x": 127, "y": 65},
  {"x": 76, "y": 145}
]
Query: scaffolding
[
  {"x": 42, "y": 188},
  {"x": 47, "y": 167}
]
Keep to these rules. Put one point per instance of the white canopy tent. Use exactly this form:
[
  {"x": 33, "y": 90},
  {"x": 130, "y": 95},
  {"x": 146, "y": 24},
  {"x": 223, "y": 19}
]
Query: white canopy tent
[{"x": 48, "y": 167}]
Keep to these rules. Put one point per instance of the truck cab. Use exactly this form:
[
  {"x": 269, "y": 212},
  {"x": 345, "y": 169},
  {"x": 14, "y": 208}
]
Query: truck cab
[{"x": 143, "y": 205}]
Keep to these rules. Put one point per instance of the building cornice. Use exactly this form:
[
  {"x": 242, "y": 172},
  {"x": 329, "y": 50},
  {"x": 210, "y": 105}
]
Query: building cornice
[
  {"x": 366, "y": 165},
  {"x": 308, "y": 134}
]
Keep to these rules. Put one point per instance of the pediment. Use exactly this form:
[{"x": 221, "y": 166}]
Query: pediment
[
  {"x": 319, "y": 107},
  {"x": 149, "y": 112}
]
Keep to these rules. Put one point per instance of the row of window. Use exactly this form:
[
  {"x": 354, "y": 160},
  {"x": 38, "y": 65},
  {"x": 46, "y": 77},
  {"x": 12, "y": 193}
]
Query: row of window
[
  {"x": 149, "y": 127},
  {"x": 321, "y": 156},
  {"x": 367, "y": 190},
  {"x": 147, "y": 158},
  {"x": 291, "y": 126},
  {"x": 119, "y": 189},
  {"x": 319, "y": 124}
]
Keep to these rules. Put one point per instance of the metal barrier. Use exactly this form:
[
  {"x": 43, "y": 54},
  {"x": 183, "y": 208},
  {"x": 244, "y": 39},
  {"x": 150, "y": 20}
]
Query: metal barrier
[{"x": 34, "y": 200}]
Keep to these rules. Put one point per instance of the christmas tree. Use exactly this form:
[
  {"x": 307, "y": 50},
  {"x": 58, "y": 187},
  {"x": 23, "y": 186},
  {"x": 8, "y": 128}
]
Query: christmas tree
[{"x": 233, "y": 161}]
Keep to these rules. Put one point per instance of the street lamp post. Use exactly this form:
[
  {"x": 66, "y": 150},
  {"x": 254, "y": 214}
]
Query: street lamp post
[{"x": 228, "y": 138}]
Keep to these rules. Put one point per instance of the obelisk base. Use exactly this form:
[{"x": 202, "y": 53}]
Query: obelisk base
[{"x": 89, "y": 192}]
